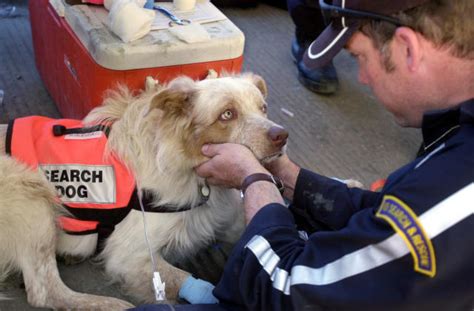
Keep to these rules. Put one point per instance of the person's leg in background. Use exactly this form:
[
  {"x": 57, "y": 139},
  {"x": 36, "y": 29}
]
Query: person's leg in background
[{"x": 309, "y": 23}]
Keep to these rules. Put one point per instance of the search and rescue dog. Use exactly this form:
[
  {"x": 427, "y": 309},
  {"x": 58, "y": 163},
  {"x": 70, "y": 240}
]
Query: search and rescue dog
[{"x": 151, "y": 142}]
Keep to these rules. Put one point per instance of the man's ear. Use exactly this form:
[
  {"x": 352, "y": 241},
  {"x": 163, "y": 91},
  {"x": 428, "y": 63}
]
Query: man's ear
[
  {"x": 258, "y": 82},
  {"x": 410, "y": 46},
  {"x": 175, "y": 98}
]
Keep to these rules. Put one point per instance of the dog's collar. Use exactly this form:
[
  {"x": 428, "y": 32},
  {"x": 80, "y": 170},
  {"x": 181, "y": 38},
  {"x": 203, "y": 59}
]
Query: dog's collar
[{"x": 148, "y": 198}]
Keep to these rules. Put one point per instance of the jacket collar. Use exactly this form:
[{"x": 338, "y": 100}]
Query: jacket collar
[
  {"x": 439, "y": 125},
  {"x": 467, "y": 112}
]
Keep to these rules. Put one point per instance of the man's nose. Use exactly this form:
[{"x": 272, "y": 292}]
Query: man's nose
[{"x": 278, "y": 135}]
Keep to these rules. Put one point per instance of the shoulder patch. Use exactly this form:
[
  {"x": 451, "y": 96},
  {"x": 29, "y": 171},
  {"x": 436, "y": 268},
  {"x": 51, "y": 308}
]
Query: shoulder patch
[{"x": 405, "y": 222}]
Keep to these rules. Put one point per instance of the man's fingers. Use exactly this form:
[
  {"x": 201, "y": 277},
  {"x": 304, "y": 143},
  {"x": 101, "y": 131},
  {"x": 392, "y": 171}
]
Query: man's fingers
[
  {"x": 203, "y": 170},
  {"x": 210, "y": 150}
]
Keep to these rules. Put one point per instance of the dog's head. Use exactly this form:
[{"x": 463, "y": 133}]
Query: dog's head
[{"x": 229, "y": 109}]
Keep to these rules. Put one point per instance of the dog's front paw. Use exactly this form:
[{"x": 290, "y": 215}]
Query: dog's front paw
[
  {"x": 351, "y": 183},
  {"x": 197, "y": 291}
]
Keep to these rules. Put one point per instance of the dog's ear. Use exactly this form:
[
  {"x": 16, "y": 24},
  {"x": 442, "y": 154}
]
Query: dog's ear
[
  {"x": 176, "y": 97},
  {"x": 259, "y": 83}
]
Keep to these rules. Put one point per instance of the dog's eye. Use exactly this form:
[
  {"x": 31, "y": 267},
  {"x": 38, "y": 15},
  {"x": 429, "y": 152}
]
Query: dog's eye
[
  {"x": 227, "y": 115},
  {"x": 264, "y": 108}
]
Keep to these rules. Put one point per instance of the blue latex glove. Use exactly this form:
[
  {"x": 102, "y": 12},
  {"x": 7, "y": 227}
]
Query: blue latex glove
[{"x": 197, "y": 291}]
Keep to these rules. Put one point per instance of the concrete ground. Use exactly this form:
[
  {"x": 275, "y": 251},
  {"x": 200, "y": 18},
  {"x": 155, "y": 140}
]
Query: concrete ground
[{"x": 347, "y": 135}]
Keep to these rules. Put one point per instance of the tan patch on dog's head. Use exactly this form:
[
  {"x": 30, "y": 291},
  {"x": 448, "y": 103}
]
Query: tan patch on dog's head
[
  {"x": 175, "y": 99},
  {"x": 229, "y": 109}
]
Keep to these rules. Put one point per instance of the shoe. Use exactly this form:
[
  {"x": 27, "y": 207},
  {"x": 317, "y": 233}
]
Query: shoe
[
  {"x": 322, "y": 80},
  {"x": 297, "y": 49}
]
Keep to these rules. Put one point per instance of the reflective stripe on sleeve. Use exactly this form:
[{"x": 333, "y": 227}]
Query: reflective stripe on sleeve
[{"x": 435, "y": 221}]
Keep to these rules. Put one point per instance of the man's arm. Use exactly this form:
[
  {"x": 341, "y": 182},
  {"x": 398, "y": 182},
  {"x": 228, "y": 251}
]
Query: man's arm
[
  {"x": 318, "y": 200},
  {"x": 329, "y": 201},
  {"x": 258, "y": 195},
  {"x": 287, "y": 171}
]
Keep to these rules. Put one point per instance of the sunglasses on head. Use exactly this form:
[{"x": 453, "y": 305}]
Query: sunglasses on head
[{"x": 330, "y": 12}]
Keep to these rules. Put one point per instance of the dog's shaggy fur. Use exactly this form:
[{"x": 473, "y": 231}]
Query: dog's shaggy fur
[{"x": 158, "y": 135}]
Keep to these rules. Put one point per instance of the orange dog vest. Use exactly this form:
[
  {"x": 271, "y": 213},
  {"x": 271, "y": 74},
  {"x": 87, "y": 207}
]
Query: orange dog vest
[{"x": 94, "y": 188}]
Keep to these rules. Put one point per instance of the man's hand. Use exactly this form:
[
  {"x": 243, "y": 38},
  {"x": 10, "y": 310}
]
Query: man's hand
[
  {"x": 228, "y": 165},
  {"x": 279, "y": 166},
  {"x": 287, "y": 171}
]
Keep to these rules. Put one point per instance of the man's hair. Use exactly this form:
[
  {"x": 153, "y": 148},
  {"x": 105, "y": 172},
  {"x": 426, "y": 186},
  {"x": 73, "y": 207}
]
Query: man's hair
[{"x": 447, "y": 23}]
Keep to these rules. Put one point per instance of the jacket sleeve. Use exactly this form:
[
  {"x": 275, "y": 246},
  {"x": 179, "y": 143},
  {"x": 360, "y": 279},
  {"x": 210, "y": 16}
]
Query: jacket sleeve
[
  {"x": 322, "y": 203},
  {"x": 364, "y": 266}
]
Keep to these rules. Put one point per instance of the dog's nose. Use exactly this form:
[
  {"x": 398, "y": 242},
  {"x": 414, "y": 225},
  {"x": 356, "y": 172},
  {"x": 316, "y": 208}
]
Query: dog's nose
[{"x": 278, "y": 136}]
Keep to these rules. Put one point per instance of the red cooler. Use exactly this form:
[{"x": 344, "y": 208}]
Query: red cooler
[{"x": 79, "y": 58}]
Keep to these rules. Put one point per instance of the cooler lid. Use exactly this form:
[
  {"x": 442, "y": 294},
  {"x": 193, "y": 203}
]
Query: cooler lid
[{"x": 158, "y": 48}]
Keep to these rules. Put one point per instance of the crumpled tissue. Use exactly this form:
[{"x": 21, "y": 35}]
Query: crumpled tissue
[
  {"x": 191, "y": 33},
  {"x": 128, "y": 20}
]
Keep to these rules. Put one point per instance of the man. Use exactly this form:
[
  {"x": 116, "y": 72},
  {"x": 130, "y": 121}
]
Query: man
[
  {"x": 309, "y": 24},
  {"x": 409, "y": 247}
]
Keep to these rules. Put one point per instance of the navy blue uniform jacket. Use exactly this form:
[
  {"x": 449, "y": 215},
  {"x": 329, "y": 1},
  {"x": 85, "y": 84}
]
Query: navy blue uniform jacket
[{"x": 408, "y": 247}]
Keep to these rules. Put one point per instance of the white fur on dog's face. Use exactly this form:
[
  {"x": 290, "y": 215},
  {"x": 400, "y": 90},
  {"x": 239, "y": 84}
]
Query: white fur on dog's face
[{"x": 229, "y": 109}]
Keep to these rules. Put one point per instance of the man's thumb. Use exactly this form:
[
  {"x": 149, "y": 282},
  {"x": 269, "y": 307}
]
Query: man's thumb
[{"x": 208, "y": 150}]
